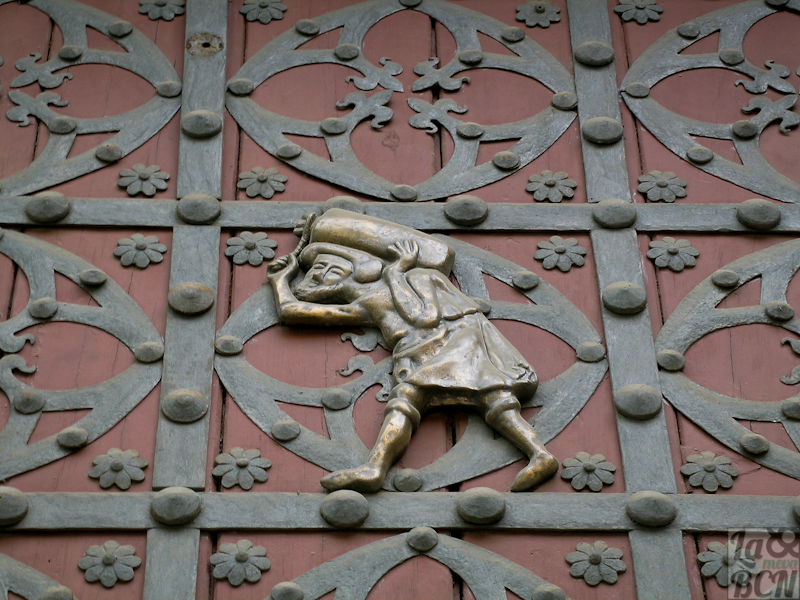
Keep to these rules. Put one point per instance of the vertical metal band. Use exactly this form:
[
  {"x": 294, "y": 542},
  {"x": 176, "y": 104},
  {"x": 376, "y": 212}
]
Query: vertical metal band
[
  {"x": 659, "y": 565},
  {"x": 171, "y": 568}
]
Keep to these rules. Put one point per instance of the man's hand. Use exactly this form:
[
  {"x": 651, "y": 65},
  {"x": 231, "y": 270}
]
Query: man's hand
[
  {"x": 285, "y": 266},
  {"x": 406, "y": 252}
]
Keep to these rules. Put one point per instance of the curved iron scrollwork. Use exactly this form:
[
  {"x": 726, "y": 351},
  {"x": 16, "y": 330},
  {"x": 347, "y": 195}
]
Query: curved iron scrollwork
[
  {"x": 131, "y": 129},
  {"x": 477, "y": 452},
  {"x": 534, "y": 134},
  {"x": 109, "y": 401},
  {"x": 675, "y": 131}
]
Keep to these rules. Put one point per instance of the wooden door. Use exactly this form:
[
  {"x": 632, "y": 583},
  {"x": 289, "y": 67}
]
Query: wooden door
[{"x": 617, "y": 180}]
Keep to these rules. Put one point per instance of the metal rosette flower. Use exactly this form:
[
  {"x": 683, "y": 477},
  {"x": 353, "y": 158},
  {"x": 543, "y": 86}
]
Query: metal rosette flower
[
  {"x": 533, "y": 135},
  {"x": 698, "y": 315},
  {"x": 131, "y": 129},
  {"x": 477, "y": 451},
  {"x": 665, "y": 58},
  {"x": 358, "y": 571},
  {"x": 110, "y": 401}
]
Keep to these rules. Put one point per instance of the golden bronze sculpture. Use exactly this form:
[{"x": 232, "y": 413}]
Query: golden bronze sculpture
[{"x": 363, "y": 271}]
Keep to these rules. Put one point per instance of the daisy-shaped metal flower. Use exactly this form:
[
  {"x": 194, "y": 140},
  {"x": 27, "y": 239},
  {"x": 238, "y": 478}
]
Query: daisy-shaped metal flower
[
  {"x": 109, "y": 563},
  {"x": 251, "y": 248},
  {"x": 161, "y": 9},
  {"x": 550, "y": 186},
  {"x": 664, "y": 186},
  {"x": 538, "y": 12},
  {"x": 596, "y": 563},
  {"x": 710, "y": 471},
  {"x": 241, "y": 467},
  {"x": 139, "y": 250},
  {"x": 560, "y": 253},
  {"x": 263, "y": 10},
  {"x": 641, "y": 11},
  {"x": 239, "y": 562},
  {"x": 142, "y": 179},
  {"x": 261, "y": 182},
  {"x": 588, "y": 471},
  {"x": 118, "y": 468},
  {"x": 728, "y": 563},
  {"x": 672, "y": 253}
]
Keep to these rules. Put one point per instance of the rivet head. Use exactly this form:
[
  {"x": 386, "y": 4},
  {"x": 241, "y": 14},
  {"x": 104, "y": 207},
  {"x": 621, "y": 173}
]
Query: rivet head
[
  {"x": 119, "y": 29},
  {"x": 403, "y": 193},
  {"x": 92, "y": 277},
  {"x": 288, "y": 151},
  {"x": 754, "y": 443},
  {"x": 410, "y": 3},
  {"x": 484, "y": 306},
  {"x": 590, "y": 352},
  {"x": 791, "y": 408},
  {"x": 407, "y": 480},
  {"x": 198, "y": 209},
  {"x": 13, "y": 506},
  {"x": 466, "y": 210},
  {"x": 564, "y": 100},
  {"x": 422, "y": 539},
  {"x": 670, "y": 360},
  {"x": 72, "y": 437},
  {"x": 637, "y": 90},
  {"x": 344, "y": 509},
  {"x": 614, "y": 213},
  {"x": 651, "y": 508},
  {"x": 241, "y": 87},
  {"x": 780, "y": 311},
  {"x": 58, "y": 592},
  {"x": 689, "y": 30},
  {"x": 725, "y": 278},
  {"x": 346, "y": 51},
  {"x": 758, "y": 214},
  {"x": 333, "y": 126},
  {"x": 469, "y": 130},
  {"x": 345, "y": 203},
  {"x": 699, "y": 155},
  {"x": 62, "y": 125},
  {"x": 201, "y": 124},
  {"x": 337, "y": 399},
  {"x": 594, "y": 54},
  {"x": 149, "y": 352},
  {"x": 191, "y": 298},
  {"x": 169, "y": 89},
  {"x": 184, "y": 405},
  {"x": 548, "y": 591},
  {"x": 624, "y": 298},
  {"x": 287, "y": 590},
  {"x": 175, "y": 506},
  {"x": 777, "y": 3},
  {"x": 470, "y": 57},
  {"x": 307, "y": 27},
  {"x": 602, "y": 130},
  {"x": 525, "y": 280},
  {"x": 481, "y": 506},
  {"x": 228, "y": 345},
  {"x": 512, "y": 34},
  {"x": 70, "y": 52},
  {"x": 285, "y": 430},
  {"x": 638, "y": 401},
  {"x": 29, "y": 401},
  {"x": 43, "y": 308},
  {"x": 731, "y": 56},
  {"x": 109, "y": 153},
  {"x": 506, "y": 160},
  {"x": 745, "y": 129}
]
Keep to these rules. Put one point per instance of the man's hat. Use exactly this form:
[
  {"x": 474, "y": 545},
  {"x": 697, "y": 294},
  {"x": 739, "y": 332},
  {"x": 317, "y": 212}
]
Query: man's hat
[{"x": 344, "y": 228}]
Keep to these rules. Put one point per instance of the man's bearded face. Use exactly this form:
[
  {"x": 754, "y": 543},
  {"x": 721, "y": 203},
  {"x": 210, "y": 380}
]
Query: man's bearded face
[{"x": 326, "y": 280}]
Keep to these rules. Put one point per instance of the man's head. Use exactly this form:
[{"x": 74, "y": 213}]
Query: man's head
[{"x": 335, "y": 273}]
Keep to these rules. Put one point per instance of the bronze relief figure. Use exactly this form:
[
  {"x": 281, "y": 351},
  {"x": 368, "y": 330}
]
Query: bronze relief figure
[{"x": 367, "y": 272}]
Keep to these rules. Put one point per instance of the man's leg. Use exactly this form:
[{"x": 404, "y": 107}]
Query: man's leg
[
  {"x": 400, "y": 421},
  {"x": 502, "y": 415}
]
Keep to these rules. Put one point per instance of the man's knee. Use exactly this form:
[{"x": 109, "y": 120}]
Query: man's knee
[
  {"x": 499, "y": 404},
  {"x": 404, "y": 407}
]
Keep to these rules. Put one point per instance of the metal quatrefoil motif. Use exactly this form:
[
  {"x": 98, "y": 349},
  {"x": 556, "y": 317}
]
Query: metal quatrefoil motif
[{"x": 531, "y": 136}]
